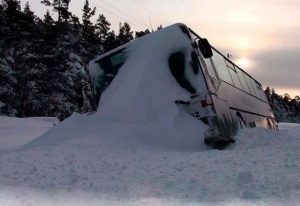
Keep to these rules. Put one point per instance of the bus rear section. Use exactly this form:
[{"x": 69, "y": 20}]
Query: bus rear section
[{"x": 238, "y": 100}]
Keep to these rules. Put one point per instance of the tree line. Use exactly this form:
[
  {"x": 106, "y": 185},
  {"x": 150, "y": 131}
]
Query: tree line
[
  {"x": 44, "y": 60},
  {"x": 286, "y": 109}
]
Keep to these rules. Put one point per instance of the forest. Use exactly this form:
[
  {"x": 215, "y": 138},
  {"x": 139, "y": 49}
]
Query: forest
[{"x": 43, "y": 61}]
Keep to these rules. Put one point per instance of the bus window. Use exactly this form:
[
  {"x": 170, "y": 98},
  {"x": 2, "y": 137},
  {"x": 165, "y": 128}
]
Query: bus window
[
  {"x": 259, "y": 91},
  {"x": 248, "y": 80},
  {"x": 243, "y": 80},
  {"x": 219, "y": 63},
  {"x": 112, "y": 63},
  {"x": 264, "y": 98},
  {"x": 109, "y": 67},
  {"x": 234, "y": 75},
  {"x": 256, "y": 88},
  {"x": 210, "y": 69}
]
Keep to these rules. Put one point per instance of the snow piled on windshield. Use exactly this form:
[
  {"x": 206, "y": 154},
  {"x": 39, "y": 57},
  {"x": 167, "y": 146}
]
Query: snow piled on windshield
[{"x": 144, "y": 89}]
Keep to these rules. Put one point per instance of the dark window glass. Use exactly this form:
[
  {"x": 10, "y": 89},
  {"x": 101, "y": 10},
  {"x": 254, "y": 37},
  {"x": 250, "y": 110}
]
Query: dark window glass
[
  {"x": 219, "y": 63},
  {"x": 262, "y": 93},
  {"x": 248, "y": 80},
  {"x": 255, "y": 88},
  {"x": 177, "y": 67},
  {"x": 243, "y": 80},
  {"x": 234, "y": 75},
  {"x": 110, "y": 66},
  {"x": 210, "y": 68}
]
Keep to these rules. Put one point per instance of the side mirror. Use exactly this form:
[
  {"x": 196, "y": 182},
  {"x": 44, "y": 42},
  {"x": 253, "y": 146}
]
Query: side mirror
[{"x": 205, "y": 48}]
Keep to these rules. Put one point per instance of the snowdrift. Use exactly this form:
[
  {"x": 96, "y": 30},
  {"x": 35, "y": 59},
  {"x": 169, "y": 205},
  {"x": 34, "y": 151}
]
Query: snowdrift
[
  {"x": 15, "y": 132},
  {"x": 140, "y": 101}
]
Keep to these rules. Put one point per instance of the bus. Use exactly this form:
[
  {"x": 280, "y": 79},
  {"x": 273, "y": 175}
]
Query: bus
[{"x": 227, "y": 99}]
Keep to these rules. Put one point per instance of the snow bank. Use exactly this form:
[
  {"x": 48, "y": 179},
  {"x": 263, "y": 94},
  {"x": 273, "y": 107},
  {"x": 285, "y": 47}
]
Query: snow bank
[
  {"x": 182, "y": 133},
  {"x": 141, "y": 98},
  {"x": 16, "y": 132},
  {"x": 105, "y": 169}
]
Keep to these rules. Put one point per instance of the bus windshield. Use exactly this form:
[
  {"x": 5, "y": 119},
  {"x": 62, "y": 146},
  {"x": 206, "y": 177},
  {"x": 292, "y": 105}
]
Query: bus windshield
[{"x": 109, "y": 66}]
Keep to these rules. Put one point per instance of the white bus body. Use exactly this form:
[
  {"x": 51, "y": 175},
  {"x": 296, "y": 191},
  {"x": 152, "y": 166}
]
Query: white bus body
[{"x": 224, "y": 97}]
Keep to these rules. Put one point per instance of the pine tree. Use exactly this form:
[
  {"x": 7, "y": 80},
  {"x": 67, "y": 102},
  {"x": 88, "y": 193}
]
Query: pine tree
[
  {"x": 12, "y": 14},
  {"x": 268, "y": 93},
  {"x": 49, "y": 28},
  {"x": 27, "y": 23},
  {"x": 125, "y": 34},
  {"x": 88, "y": 28},
  {"x": 61, "y": 7},
  {"x": 102, "y": 28},
  {"x": 159, "y": 27},
  {"x": 110, "y": 42},
  {"x": 1, "y": 23},
  {"x": 141, "y": 33}
]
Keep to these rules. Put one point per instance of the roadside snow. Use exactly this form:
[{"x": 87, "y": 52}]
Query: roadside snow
[
  {"x": 16, "y": 132},
  {"x": 109, "y": 166}
]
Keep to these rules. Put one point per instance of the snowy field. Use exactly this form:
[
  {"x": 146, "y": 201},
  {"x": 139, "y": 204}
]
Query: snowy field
[
  {"x": 95, "y": 166},
  {"x": 15, "y": 132}
]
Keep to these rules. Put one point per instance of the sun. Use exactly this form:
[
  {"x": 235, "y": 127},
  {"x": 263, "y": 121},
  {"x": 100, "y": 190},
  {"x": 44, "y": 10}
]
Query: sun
[{"x": 243, "y": 62}]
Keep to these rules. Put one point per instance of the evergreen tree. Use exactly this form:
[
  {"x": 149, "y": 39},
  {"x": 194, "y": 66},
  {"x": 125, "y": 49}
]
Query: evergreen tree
[
  {"x": 125, "y": 34},
  {"x": 88, "y": 28},
  {"x": 61, "y": 7},
  {"x": 159, "y": 27},
  {"x": 28, "y": 21},
  {"x": 12, "y": 15},
  {"x": 141, "y": 33},
  {"x": 268, "y": 93},
  {"x": 110, "y": 42},
  {"x": 102, "y": 28},
  {"x": 2, "y": 23},
  {"x": 49, "y": 28}
]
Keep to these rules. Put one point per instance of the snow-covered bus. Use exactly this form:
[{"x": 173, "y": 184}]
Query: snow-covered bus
[{"x": 208, "y": 85}]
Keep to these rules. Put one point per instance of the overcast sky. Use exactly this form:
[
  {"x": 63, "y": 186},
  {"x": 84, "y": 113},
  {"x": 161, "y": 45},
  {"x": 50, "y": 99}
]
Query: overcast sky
[{"x": 264, "y": 33}]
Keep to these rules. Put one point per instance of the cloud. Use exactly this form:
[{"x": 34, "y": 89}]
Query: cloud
[{"x": 278, "y": 68}]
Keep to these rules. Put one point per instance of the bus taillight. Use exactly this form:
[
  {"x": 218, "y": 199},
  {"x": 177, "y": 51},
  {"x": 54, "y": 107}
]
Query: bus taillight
[{"x": 205, "y": 103}]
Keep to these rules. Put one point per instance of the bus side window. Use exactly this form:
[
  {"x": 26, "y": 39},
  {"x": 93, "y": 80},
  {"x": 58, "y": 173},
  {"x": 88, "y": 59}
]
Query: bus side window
[
  {"x": 219, "y": 63},
  {"x": 256, "y": 88},
  {"x": 243, "y": 80},
  {"x": 248, "y": 80},
  {"x": 234, "y": 75},
  {"x": 210, "y": 69}
]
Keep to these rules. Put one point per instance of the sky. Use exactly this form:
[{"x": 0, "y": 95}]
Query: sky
[{"x": 261, "y": 36}]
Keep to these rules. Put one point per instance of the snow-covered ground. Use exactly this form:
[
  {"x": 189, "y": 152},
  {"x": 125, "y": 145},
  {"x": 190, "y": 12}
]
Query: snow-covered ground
[
  {"x": 108, "y": 166},
  {"x": 15, "y": 132}
]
